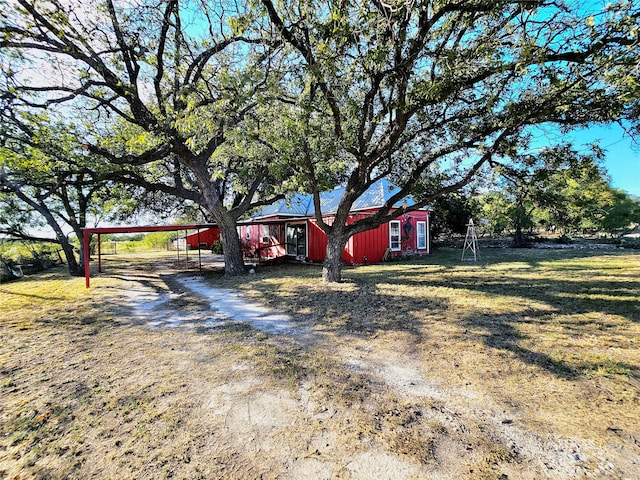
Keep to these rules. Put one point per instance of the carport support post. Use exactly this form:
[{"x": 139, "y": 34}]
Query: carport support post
[
  {"x": 85, "y": 249},
  {"x": 99, "y": 255},
  {"x": 199, "y": 255}
]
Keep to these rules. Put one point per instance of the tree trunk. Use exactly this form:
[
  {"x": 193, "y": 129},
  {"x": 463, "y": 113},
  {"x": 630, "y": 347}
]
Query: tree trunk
[
  {"x": 212, "y": 192},
  {"x": 72, "y": 264},
  {"x": 75, "y": 268},
  {"x": 518, "y": 238},
  {"x": 332, "y": 267},
  {"x": 520, "y": 216},
  {"x": 233, "y": 260}
]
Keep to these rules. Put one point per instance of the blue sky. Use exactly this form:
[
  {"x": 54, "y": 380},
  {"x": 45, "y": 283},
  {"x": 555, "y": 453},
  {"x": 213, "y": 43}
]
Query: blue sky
[{"x": 622, "y": 159}]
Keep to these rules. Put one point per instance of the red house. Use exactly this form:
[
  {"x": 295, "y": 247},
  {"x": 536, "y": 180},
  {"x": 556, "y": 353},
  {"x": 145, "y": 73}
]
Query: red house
[{"x": 288, "y": 228}]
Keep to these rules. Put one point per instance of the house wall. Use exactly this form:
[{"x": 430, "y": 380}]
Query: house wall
[
  {"x": 371, "y": 245},
  {"x": 265, "y": 240},
  {"x": 409, "y": 233},
  {"x": 316, "y": 242},
  {"x": 366, "y": 247}
]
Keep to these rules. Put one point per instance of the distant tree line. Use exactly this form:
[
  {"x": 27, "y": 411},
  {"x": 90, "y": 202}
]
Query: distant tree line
[{"x": 557, "y": 192}]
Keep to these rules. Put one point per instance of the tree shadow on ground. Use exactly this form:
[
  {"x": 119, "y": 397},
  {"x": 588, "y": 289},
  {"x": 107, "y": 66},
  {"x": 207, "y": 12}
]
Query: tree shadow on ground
[
  {"x": 580, "y": 303},
  {"x": 567, "y": 285},
  {"x": 500, "y": 332},
  {"x": 366, "y": 309},
  {"x": 576, "y": 297},
  {"x": 27, "y": 295}
]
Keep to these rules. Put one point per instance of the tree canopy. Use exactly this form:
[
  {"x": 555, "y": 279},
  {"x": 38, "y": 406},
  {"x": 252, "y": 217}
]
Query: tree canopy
[
  {"x": 44, "y": 170},
  {"x": 232, "y": 104},
  {"x": 178, "y": 76},
  {"x": 556, "y": 189}
]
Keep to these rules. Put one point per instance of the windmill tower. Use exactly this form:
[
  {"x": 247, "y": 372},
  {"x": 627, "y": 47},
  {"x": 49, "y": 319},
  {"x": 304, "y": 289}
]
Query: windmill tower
[{"x": 471, "y": 241}]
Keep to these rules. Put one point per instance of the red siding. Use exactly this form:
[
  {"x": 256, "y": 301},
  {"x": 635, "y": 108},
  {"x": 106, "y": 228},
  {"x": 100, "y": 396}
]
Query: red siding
[
  {"x": 266, "y": 244},
  {"x": 409, "y": 233},
  {"x": 316, "y": 242},
  {"x": 369, "y": 246},
  {"x": 208, "y": 236},
  {"x": 366, "y": 247}
]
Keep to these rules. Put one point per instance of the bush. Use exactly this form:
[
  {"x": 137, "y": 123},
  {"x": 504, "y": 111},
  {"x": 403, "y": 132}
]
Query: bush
[
  {"x": 158, "y": 240},
  {"x": 216, "y": 248}
]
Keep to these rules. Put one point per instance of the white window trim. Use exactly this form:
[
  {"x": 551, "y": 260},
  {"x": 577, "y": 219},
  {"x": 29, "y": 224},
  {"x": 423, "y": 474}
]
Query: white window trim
[
  {"x": 399, "y": 241},
  {"x": 422, "y": 236}
]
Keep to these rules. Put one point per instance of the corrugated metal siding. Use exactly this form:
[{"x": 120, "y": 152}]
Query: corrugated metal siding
[
  {"x": 208, "y": 236},
  {"x": 369, "y": 246},
  {"x": 316, "y": 242},
  {"x": 347, "y": 253}
]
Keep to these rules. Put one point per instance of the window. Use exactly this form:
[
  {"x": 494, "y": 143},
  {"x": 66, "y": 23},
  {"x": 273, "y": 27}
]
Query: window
[
  {"x": 421, "y": 232},
  {"x": 265, "y": 236},
  {"x": 394, "y": 236},
  {"x": 297, "y": 240},
  {"x": 248, "y": 233}
]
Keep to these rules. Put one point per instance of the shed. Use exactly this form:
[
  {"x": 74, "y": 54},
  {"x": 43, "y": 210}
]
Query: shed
[{"x": 201, "y": 239}]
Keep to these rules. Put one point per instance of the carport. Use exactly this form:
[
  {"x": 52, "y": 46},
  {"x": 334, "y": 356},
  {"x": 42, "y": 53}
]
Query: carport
[{"x": 87, "y": 232}]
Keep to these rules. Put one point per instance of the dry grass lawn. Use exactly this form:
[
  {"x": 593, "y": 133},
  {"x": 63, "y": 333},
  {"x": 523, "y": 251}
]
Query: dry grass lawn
[{"x": 524, "y": 365}]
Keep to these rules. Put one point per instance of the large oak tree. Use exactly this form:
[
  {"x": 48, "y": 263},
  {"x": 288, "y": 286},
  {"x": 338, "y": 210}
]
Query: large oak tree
[
  {"x": 415, "y": 88},
  {"x": 182, "y": 75}
]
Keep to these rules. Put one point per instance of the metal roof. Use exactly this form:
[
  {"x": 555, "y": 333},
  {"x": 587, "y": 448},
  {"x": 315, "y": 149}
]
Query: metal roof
[
  {"x": 297, "y": 206},
  {"x": 301, "y": 205}
]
